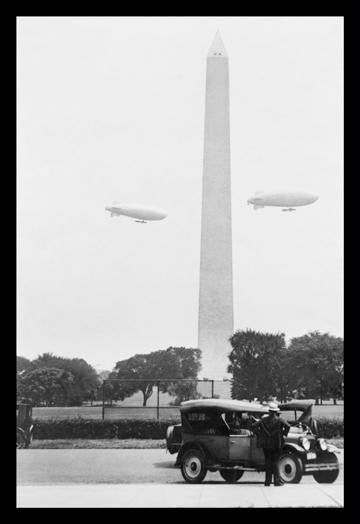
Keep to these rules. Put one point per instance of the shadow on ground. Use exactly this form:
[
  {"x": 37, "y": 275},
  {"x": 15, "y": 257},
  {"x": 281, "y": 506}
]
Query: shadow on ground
[{"x": 168, "y": 465}]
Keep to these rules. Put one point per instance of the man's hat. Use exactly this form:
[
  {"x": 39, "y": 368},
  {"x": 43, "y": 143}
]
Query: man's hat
[{"x": 273, "y": 407}]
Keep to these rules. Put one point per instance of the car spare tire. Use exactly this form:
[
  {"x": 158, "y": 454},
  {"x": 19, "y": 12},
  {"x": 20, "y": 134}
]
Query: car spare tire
[{"x": 328, "y": 476}]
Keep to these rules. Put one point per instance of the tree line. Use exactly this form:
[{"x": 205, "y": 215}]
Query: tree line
[
  {"x": 261, "y": 365},
  {"x": 56, "y": 381}
]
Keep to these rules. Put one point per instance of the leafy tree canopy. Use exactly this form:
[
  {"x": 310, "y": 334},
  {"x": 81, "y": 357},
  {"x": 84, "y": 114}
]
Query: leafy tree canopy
[
  {"x": 316, "y": 365},
  {"x": 47, "y": 385},
  {"x": 85, "y": 377},
  {"x": 172, "y": 363},
  {"x": 22, "y": 364},
  {"x": 263, "y": 367},
  {"x": 256, "y": 364}
]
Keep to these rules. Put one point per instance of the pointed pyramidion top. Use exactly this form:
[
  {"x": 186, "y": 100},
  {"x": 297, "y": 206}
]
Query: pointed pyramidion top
[{"x": 217, "y": 48}]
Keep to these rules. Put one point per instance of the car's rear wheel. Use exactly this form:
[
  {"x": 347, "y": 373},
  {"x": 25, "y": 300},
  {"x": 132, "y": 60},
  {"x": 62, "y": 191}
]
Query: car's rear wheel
[
  {"x": 290, "y": 468},
  {"x": 328, "y": 477},
  {"x": 193, "y": 466},
  {"x": 231, "y": 475}
]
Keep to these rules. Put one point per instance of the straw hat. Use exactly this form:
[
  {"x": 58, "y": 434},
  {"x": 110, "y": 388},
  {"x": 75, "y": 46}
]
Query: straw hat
[{"x": 273, "y": 406}]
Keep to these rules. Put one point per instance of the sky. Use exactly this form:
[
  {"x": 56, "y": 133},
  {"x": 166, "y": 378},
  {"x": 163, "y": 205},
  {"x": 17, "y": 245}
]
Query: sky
[{"x": 112, "y": 109}]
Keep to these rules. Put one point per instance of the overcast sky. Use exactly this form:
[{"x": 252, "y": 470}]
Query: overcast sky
[{"x": 112, "y": 109}]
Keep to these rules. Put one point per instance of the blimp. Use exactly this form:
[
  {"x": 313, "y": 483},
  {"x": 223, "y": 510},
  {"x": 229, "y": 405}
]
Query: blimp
[
  {"x": 288, "y": 201},
  {"x": 140, "y": 213}
]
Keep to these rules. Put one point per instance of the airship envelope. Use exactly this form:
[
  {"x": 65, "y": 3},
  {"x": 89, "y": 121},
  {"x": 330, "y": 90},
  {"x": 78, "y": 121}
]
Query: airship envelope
[
  {"x": 286, "y": 200},
  {"x": 140, "y": 213}
]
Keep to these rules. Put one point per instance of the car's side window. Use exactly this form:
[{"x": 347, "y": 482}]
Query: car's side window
[
  {"x": 205, "y": 423},
  {"x": 238, "y": 423}
]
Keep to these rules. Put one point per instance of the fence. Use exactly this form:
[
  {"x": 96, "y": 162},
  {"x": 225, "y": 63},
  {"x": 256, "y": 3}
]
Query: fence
[{"x": 156, "y": 398}]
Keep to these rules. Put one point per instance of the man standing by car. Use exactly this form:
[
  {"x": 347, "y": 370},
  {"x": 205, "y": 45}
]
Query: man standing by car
[{"x": 271, "y": 430}]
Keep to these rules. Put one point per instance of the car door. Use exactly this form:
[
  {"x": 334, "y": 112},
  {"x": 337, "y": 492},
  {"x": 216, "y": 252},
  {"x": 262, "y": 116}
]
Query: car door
[
  {"x": 210, "y": 432},
  {"x": 240, "y": 446},
  {"x": 256, "y": 453},
  {"x": 217, "y": 445}
]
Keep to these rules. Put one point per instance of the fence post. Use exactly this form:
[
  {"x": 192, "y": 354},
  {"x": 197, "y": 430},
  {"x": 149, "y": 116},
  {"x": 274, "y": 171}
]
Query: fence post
[
  {"x": 103, "y": 400},
  {"x": 212, "y": 389},
  {"x": 158, "y": 403}
]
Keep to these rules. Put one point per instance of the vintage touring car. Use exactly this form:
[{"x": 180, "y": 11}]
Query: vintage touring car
[{"x": 216, "y": 435}]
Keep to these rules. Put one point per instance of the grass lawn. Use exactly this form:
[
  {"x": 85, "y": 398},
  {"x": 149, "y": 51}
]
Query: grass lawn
[
  {"x": 95, "y": 412},
  {"x": 118, "y": 444},
  {"x": 99, "y": 444},
  {"x": 328, "y": 411}
]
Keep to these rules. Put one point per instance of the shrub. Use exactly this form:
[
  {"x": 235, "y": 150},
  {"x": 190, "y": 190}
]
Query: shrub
[
  {"x": 330, "y": 427},
  {"x": 139, "y": 429},
  {"x": 100, "y": 429}
]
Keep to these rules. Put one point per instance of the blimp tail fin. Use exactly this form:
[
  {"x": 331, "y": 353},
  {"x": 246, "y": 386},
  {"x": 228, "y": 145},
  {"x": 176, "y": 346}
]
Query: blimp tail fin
[{"x": 256, "y": 207}]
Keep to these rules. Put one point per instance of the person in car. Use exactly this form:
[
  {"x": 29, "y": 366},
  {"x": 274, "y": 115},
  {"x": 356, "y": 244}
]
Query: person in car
[{"x": 271, "y": 430}]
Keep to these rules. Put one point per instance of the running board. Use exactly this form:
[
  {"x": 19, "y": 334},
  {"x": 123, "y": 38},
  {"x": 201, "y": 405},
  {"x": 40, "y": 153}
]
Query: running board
[
  {"x": 320, "y": 467},
  {"x": 240, "y": 468}
]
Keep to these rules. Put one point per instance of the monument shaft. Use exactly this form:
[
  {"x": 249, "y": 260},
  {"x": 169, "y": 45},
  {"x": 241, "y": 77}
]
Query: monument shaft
[{"x": 216, "y": 283}]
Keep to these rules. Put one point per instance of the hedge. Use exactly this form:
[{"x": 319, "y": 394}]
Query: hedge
[
  {"x": 100, "y": 429},
  {"x": 140, "y": 429},
  {"x": 330, "y": 427}
]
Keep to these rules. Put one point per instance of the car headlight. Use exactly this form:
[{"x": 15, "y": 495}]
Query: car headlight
[
  {"x": 322, "y": 444},
  {"x": 305, "y": 442}
]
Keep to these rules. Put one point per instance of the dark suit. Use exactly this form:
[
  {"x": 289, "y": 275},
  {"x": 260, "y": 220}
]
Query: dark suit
[{"x": 271, "y": 432}]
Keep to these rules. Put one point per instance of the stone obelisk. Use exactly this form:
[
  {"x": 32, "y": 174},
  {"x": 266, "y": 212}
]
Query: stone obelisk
[{"x": 216, "y": 283}]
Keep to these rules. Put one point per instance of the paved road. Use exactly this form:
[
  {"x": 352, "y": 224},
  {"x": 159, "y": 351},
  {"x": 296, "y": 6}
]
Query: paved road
[
  {"x": 147, "y": 478},
  {"x": 112, "y": 466}
]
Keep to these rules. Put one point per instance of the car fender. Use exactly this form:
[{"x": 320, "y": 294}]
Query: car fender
[
  {"x": 333, "y": 449},
  {"x": 171, "y": 445},
  {"x": 192, "y": 445},
  {"x": 291, "y": 447}
]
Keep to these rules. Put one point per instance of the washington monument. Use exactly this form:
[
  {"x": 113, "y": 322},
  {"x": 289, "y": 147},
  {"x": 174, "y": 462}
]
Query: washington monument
[{"x": 216, "y": 283}]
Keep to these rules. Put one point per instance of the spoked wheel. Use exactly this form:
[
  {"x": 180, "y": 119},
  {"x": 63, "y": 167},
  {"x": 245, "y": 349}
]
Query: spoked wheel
[
  {"x": 328, "y": 477},
  {"x": 231, "y": 475},
  {"x": 193, "y": 467},
  {"x": 20, "y": 439},
  {"x": 290, "y": 468}
]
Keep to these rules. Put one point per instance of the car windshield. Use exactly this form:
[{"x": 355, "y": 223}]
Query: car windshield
[
  {"x": 289, "y": 416},
  {"x": 294, "y": 418}
]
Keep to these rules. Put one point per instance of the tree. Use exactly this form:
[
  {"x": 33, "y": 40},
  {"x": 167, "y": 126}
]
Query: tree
[
  {"x": 257, "y": 365},
  {"x": 47, "y": 385},
  {"x": 316, "y": 365},
  {"x": 188, "y": 360},
  {"x": 189, "y": 365},
  {"x": 183, "y": 390},
  {"x": 22, "y": 364},
  {"x": 85, "y": 377},
  {"x": 144, "y": 369}
]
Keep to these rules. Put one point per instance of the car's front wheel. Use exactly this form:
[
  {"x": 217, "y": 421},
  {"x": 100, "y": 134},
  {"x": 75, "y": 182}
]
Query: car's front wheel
[
  {"x": 231, "y": 475},
  {"x": 193, "y": 466},
  {"x": 290, "y": 468},
  {"x": 328, "y": 477}
]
